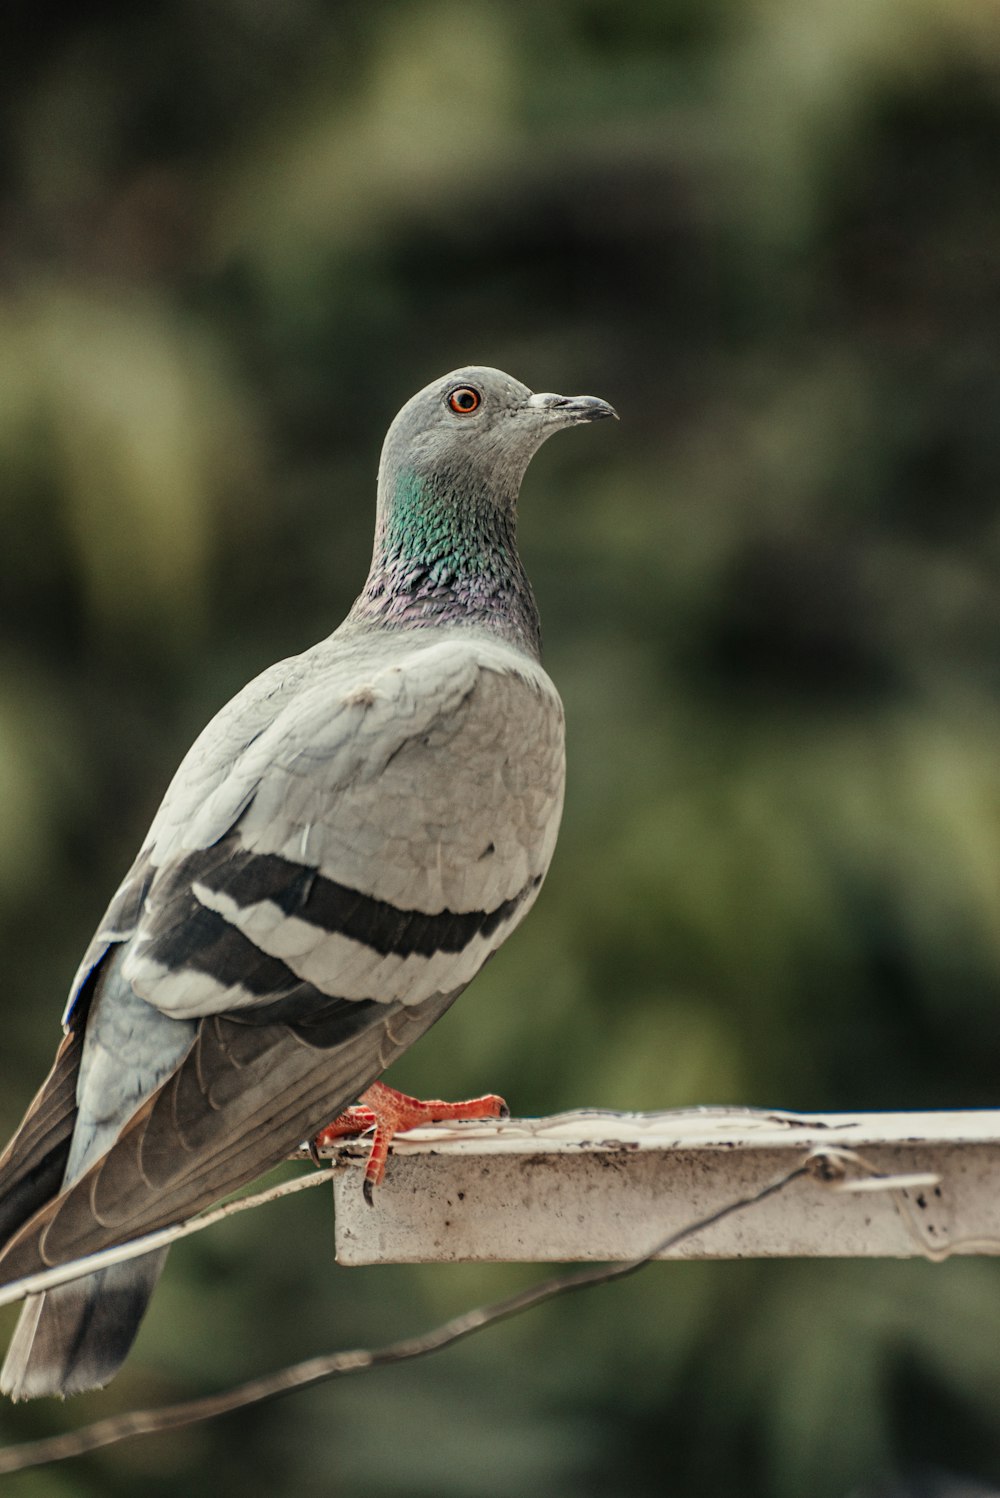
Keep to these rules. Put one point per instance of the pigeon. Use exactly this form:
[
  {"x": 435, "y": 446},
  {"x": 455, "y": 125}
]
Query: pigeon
[{"x": 340, "y": 851}]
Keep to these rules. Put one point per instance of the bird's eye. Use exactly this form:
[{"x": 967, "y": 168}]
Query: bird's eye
[{"x": 464, "y": 400}]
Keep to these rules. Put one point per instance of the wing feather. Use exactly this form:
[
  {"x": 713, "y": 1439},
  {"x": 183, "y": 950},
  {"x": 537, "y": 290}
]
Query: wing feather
[
  {"x": 32, "y": 1165},
  {"x": 424, "y": 780},
  {"x": 242, "y": 1099}
]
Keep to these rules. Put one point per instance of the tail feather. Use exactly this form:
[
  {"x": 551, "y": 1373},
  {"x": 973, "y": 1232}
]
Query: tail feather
[{"x": 76, "y": 1337}]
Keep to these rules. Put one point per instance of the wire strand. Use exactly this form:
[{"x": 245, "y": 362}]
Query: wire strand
[
  {"x": 74, "y": 1269},
  {"x": 334, "y": 1365}
]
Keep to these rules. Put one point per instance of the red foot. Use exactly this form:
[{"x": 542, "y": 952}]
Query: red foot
[{"x": 389, "y": 1112}]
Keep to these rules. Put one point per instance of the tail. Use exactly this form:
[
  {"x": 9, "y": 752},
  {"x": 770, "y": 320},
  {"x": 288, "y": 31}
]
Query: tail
[{"x": 76, "y": 1337}]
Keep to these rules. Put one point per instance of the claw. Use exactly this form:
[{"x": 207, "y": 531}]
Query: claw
[{"x": 389, "y": 1112}]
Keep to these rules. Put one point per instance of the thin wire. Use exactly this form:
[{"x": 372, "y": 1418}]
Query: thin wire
[
  {"x": 830, "y": 1163},
  {"x": 61, "y": 1274},
  {"x": 320, "y": 1369}
]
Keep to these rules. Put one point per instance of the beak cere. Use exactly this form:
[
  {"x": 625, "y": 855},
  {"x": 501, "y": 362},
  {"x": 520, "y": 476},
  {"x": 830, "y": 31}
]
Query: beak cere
[{"x": 568, "y": 410}]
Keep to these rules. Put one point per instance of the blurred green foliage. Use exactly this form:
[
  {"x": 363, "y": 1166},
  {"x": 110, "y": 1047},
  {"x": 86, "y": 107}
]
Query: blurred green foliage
[{"x": 234, "y": 237}]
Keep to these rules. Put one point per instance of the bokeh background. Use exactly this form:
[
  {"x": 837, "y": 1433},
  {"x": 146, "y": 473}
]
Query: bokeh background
[{"x": 234, "y": 236}]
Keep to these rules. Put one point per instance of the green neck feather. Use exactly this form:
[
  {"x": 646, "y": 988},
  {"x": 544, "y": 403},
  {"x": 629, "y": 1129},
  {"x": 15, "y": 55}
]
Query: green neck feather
[{"x": 445, "y": 555}]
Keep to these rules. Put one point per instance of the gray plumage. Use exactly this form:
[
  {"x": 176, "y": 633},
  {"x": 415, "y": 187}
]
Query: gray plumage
[{"x": 340, "y": 851}]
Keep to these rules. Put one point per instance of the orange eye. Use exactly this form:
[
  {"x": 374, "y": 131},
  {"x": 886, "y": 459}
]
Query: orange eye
[{"x": 464, "y": 400}]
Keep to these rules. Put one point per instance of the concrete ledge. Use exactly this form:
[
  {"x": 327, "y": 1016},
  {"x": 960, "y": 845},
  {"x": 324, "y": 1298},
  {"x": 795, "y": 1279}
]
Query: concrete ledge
[{"x": 600, "y": 1185}]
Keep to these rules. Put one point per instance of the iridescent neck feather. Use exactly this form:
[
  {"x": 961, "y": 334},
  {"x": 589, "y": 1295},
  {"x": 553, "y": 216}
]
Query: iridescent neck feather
[{"x": 446, "y": 553}]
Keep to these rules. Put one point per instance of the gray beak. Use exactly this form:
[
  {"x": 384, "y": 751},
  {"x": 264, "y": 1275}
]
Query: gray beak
[{"x": 568, "y": 410}]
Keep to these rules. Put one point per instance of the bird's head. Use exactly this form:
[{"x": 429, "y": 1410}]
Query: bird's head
[{"x": 475, "y": 431}]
